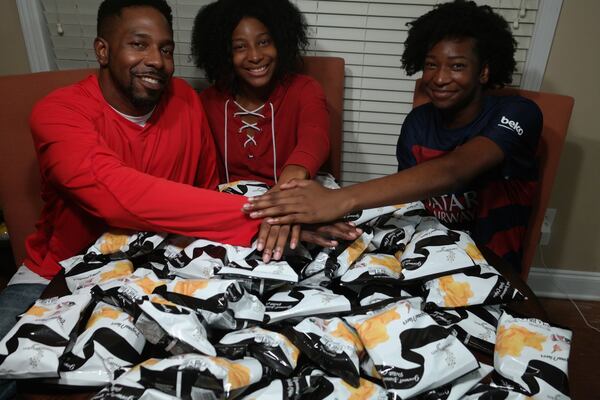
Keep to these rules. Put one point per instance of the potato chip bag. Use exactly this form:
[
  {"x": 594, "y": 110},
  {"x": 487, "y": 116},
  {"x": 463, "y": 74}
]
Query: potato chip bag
[
  {"x": 223, "y": 303},
  {"x": 473, "y": 326},
  {"x": 272, "y": 349},
  {"x": 31, "y": 349},
  {"x": 175, "y": 328},
  {"x": 302, "y": 302},
  {"x": 486, "y": 392},
  {"x": 412, "y": 353},
  {"x": 531, "y": 356},
  {"x": 120, "y": 244},
  {"x": 257, "y": 269},
  {"x": 435, "y": 250},
  {"x": 350, "y": 252},
  {"x": 110, "y": 341},
  {"x": 481, "y": 284},
  {"x": 83, "y": 275},
  {"x": 193, "y": 376},
  {"x": 331, "y": 388},
  {"x": 331, "y": 344},
  {"x": 456, "y": 389},
  {"x": 248, "y": 188},
  {"x": 392, "y": 235},
  {"x": 373, "y": 267}
]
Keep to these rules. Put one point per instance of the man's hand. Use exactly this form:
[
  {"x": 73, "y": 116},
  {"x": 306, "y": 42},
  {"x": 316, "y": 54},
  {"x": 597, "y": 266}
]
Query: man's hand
[
  {"x": 299, "y": 201},
  {"x": 272, "y": 238}
]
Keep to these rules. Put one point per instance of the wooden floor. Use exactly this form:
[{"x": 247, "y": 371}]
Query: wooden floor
[{"x": 584, "y": 361}]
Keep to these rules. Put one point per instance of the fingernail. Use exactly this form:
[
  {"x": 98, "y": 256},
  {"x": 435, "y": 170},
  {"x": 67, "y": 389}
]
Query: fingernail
[
  {"x": 266, "y": 258},
  {"x": 334, "y": 243},
  {"x": 255, "y": 214},
  {"x": 260, "y": 246},
  {"x": 277, "y": 254},
  {"x": 359, "y": 231},
  {"x": 271, "y": 220},
  {"x": 293, "y": 245},
  {"x": 247, "y": 206},
  {"x": 251, "y": 198}
]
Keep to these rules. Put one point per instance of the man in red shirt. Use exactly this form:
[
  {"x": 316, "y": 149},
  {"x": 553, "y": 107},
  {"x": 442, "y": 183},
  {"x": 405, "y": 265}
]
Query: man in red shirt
[{"x": 129, "y": 148}]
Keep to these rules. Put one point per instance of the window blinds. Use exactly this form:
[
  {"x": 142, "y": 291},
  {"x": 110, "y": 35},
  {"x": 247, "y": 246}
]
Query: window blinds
[{"x": 369, "y": 35}]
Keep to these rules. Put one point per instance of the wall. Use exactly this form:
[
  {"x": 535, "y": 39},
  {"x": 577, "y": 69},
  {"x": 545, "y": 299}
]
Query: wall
[
  {"x": 12, "y": 47},
  {"x": 573, "y": 70}
]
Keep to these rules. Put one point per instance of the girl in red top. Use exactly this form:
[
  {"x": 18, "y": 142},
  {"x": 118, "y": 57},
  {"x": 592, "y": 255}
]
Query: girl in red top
[{"x": 269, "y": 123}]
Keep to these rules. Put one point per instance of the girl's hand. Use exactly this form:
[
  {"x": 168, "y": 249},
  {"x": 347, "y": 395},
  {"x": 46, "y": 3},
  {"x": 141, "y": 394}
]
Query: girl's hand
[{"x": 299, "y": 201}]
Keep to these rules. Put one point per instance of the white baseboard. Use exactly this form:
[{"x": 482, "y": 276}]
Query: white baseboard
[{"x": 560, "y": 283}]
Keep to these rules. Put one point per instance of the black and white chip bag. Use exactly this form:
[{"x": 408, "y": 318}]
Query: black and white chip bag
[
  {"x": 456, "y": 389},
  {"x": 223, "y": 303},
  {"x": 411, "y": 353},
  {"x": 175, "y": 328},
  {"x": 31, "y": 349},
  {"x": 339, "y": 263},
  {"x": 435, "y": 251},
  {"x": 333, "y": 388},
  {"x": 412, "y": 209},
  {"x": 110, "y": 341},
  {"x": 474, "y": 326},
  {"x": 127, "y": 386},
  {"x": 331, "y": 344},
  {"x": 248, "y": 188},
  {"x": 193, "y": 376},
  {"x": 481, "y": 284},
  {"x": 369, "y": 214},
  {"x": 392, "y": 235},
  {"x": 272, "y": 349},
  {"x": 487, "y": 392},
  {"x": 121, "y": 244},
  {"x": 373, "y": 267},
  {"x": 83, "y": 275},
  {"x": 303, "y": 302},
  {"x": 531, "y": 357},
  {"x": 276, "y": 271}
]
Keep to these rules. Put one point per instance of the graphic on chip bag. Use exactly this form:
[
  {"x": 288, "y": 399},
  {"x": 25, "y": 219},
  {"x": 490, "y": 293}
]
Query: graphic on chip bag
[
  {"x": 411, "y": 353},
  {"x": 110, "y": 341},
  {"x": 532, "y": 357},
  {"x": 32, "y": 347}
]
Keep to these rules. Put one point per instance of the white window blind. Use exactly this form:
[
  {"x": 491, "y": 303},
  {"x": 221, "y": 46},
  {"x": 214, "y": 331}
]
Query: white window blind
[{"x": 369, "y": 35}]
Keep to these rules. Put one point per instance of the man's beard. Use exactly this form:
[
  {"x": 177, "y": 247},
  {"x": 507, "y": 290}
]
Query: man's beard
[{"x": 150, "y": 99}]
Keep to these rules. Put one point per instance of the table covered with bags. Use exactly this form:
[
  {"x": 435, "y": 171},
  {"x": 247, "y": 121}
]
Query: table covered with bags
[{"x": 410, "y": 309}]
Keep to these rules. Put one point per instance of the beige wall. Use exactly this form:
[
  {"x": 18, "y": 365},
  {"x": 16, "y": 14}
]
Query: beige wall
[
  {"x": 12, "y": 47},
  {"x": 573, "y": 70}
]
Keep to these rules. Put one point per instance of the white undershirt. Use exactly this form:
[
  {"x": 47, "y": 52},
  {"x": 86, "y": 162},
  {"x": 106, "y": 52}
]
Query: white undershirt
[{"x": 141, "y": 120}]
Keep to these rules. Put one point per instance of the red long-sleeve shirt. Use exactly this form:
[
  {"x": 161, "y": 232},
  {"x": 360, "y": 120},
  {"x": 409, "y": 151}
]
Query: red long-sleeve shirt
[
  {"x": 301, "y": 130},
  {"x": 99, "y": 169}
]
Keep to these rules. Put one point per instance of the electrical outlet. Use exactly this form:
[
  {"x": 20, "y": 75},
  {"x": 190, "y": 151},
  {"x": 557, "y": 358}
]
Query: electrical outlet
[{"x": 547, "y": 226}]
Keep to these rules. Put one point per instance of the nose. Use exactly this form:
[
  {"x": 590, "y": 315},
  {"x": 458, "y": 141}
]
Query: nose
[
  {"x": 254, "y": 54},
  {"x": 442, "y": 76},
  {"x": 154, "y": 57}
]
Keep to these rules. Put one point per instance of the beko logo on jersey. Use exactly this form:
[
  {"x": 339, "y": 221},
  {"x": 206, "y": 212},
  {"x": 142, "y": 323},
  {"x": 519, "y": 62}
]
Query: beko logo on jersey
[{"x": 511, "y": 125}]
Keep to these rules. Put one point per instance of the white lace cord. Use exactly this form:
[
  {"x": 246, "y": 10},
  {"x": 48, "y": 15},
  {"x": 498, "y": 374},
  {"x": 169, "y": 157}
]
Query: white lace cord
[
  {"x": 247, "y": 125},
  {"x": 274, "y": 147},
  {"x": 226, "y": 167}
]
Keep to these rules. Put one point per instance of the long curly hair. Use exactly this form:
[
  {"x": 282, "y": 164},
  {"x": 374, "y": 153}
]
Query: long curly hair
[
  {"x": 215, "y": 23},
  {"x": 494, "y": 43}
]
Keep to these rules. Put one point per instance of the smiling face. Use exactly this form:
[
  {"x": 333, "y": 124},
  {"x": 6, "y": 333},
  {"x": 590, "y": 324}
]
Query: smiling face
[
  {"x": 254, "y": 57},
  {"x": 136, "y": 59},
  {"x": 454, "y": 79}
]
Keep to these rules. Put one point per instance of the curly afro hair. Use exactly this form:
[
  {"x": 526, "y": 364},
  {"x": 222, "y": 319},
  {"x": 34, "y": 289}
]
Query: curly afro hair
[
  {"x": 494, "y": 43},
  {"x": 112, "y": 8},
  {"x": 215, "y": 23}
]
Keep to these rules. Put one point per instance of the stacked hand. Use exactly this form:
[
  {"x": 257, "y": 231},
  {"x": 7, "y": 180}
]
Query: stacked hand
[{"x": 298, "y": 202}]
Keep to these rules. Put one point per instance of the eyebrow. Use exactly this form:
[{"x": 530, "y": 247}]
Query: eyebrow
[{"x": 148, "y": 36}]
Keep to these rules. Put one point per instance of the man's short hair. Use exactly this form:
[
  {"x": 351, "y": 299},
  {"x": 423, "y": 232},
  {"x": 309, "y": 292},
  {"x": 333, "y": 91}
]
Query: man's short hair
[{"x": 112, "y": 8}]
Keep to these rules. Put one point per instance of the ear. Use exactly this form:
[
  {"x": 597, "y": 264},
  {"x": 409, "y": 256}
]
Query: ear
[
  {"x": 101, "y": 49},
  {"x": 484, "y": 75}
]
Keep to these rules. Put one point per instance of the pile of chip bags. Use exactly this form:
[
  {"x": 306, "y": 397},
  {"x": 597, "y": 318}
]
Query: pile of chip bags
[{"x": 398, "y": 313}]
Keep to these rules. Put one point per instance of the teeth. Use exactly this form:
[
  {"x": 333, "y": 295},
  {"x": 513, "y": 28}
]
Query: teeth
[
  {"x": 258, "y": 69},
  {"x": 150, "y": 80}
]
